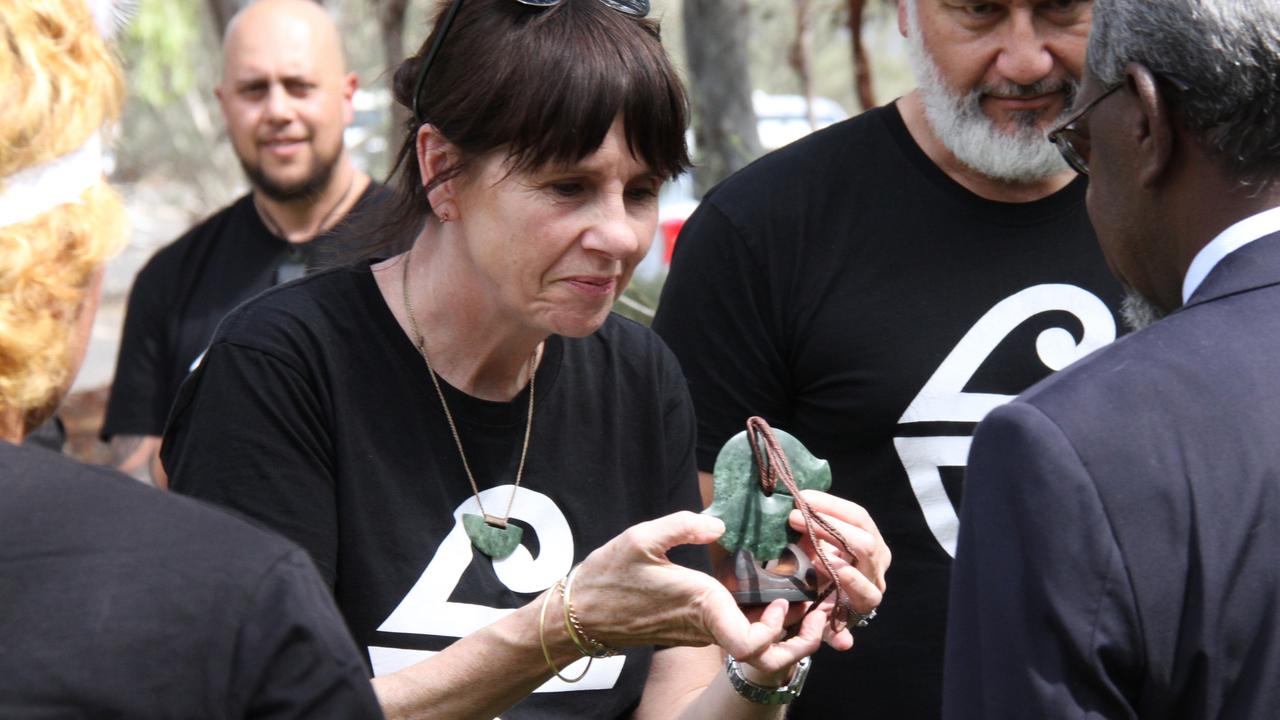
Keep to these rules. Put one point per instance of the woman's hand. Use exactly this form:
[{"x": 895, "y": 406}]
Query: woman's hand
[
  {"x": 773, "y": 666},
  {"x": 628, "y": 593},
  {"x": 861, "y": 576}
]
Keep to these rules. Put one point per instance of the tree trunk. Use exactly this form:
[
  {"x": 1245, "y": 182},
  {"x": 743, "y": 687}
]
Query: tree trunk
[
  {"x": 725, "y": 133},
  {"x": 861, "y": 68},
  {"x": 391, "y": 31}
]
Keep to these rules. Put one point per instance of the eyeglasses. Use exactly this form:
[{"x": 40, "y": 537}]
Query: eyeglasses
[
  {"x": 1071, "y": 140},
  {"x": 638, "y": 8}
]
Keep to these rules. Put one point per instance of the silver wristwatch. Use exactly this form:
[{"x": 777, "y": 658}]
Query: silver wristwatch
[{"x": 767, "y": 695}]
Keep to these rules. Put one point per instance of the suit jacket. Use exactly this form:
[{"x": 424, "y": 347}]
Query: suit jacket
[{"x": 1119, "y": 551}]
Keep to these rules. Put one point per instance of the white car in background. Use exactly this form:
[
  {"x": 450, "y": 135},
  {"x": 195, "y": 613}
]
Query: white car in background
[
  {"x": 366, "y": 137},
  {"x": 782, "y": 119}
]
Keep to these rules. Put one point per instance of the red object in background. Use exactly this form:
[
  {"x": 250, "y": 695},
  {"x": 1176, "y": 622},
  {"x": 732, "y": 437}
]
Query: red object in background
[{"x": 670, "y": 231}]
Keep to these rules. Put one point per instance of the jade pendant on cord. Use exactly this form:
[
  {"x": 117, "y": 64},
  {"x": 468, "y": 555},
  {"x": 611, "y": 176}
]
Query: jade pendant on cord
[
  {"x": 753, "y": 520},
  {"x": 493, "y": 536}
]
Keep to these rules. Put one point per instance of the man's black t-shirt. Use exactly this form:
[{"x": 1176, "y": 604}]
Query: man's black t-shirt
[
  {"x": 314, "y": 414},
  {"x": 851, "y": 293},
  {"x": 117, "y": 600},
  {"x": 183, "y": 292}
]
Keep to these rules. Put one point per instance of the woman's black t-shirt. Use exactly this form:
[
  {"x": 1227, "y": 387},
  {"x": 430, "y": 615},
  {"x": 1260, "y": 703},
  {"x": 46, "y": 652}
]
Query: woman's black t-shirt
[{"x": 314, "y": 414}]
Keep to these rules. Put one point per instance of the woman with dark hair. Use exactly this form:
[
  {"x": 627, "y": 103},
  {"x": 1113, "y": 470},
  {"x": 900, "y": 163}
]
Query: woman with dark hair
[{"x": 487, "y": 466}]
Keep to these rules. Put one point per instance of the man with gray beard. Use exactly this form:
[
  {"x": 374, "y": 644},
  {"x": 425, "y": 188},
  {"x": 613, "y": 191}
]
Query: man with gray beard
[
  {"x": 876, "y": 288},
  {"x": 1119, "y": 551}
]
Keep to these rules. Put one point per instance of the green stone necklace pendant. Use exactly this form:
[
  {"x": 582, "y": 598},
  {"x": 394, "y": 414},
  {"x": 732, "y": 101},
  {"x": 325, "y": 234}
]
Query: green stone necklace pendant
[
  {"x": 764, "y": 563},
  {"x": 493, "y": 535}
]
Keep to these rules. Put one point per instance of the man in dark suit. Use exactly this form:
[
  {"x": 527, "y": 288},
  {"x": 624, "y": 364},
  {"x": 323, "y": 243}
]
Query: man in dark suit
[{"x": 1119, "y": 551}]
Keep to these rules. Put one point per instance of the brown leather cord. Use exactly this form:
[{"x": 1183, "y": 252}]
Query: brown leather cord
[{"x": 772, "y": 466}]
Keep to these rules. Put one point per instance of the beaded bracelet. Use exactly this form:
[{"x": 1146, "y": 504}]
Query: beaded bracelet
[
  {"x": 542, "y": 636},
  {"x": 587, "y": 645}
]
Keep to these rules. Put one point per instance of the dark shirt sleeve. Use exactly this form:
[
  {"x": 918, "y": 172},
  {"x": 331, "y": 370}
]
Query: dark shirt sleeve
[
  {"x": 1042, "y": 622},
  {"x": 248, "y": 432},
  {"x": 716, "y": 314},
  {"x": 294, "y": 657},
  {"x": 139, "y": 399}
]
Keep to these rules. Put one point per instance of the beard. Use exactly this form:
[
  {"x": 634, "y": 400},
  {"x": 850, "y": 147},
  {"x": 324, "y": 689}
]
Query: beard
[
  {"x": 1137, "y": 312},
  {"x": 1019, "y": 155},
  {"x": 310, "y": 187}
]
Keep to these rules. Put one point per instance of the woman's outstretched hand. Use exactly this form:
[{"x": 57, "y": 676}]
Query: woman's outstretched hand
[{"x": 628, "y": 593}]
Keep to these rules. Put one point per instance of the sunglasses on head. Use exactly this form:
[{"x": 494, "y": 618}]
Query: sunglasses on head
[
  {"x": 638, "y": 8},
  {"x": 1073, "y": 141}
]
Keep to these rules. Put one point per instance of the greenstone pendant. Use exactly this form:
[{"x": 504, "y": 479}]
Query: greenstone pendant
[
  {"x": 492, "y": 536},
  {"x": 755, "y": 521}
]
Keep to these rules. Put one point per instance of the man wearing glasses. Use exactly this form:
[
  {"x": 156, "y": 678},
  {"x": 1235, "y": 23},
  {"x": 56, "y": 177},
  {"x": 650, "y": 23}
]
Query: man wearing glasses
[
  {"x": 878, "y": 287},
  {"x": 1126, "y": 512}
]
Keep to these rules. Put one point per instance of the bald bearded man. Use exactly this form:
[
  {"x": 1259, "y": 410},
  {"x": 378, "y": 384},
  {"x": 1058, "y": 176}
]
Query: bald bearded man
[{"x": 286, "y": 98}]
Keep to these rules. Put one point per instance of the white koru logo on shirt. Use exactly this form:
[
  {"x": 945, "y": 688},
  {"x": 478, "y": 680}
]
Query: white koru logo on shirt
[
  {"x": 426, "y": 609},
  {"x": 942, "y": 399}
]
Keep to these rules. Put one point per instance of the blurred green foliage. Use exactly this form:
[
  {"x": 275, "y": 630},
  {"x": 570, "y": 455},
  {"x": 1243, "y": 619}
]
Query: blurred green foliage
[
  {"x": 159, "y": 47},
  {"x": 641, "y": 298}
]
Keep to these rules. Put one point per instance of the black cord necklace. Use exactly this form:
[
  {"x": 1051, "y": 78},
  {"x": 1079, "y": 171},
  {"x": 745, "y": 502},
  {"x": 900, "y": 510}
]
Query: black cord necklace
[{"x": 278, "y": 231}]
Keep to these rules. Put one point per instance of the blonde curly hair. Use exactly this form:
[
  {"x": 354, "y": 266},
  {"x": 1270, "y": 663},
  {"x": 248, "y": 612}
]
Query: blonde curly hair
[{"x": 60, "y": 83}]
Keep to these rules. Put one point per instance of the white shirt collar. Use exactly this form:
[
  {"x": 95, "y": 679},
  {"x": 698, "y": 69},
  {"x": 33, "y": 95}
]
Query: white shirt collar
[{"x": 1233, "y": 238}]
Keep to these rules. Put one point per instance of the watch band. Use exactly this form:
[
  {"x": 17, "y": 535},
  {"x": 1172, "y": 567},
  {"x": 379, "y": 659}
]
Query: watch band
[{"x": 767, "y": 695}]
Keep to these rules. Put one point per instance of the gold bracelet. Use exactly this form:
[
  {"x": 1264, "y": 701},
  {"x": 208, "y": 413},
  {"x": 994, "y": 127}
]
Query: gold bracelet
[
  {"x": 587, "y": 645},
  {"x": 542, "y": 637}
]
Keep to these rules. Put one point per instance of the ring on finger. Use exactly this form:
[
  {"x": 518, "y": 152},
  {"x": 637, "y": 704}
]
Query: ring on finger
[{"x": 861, "y": 620}]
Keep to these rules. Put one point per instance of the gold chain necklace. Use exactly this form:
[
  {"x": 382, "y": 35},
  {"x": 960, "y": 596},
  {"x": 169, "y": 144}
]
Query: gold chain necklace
[{"x": 492, "y": 535}]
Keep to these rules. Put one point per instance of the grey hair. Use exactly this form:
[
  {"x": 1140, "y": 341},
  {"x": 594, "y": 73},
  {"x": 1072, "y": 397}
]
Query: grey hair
[{"x": 1227, "y": 51}]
